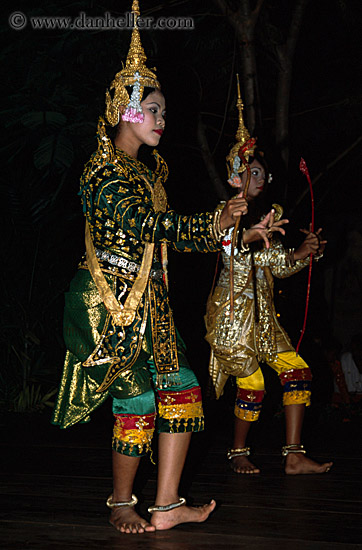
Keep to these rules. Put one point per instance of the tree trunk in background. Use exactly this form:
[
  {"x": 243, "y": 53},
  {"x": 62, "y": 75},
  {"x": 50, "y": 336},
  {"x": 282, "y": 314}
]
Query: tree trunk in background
[
  {"x": 285, "y": 53},
  {"x": 244, "y": 20},
  {"x": 209, "y": 162}
]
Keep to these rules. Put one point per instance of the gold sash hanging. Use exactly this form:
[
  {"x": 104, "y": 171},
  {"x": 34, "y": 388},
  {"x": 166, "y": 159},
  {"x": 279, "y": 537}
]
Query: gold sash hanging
[
  {"x": 121, "y": 314},
  {"x": 124, "y": 314}
]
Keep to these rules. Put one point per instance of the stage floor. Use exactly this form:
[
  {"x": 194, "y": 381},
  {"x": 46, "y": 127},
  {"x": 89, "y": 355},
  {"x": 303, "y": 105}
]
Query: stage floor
[{"x": 54, "y": 484}]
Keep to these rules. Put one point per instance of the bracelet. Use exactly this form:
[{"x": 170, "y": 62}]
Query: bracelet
[
  {"x": 217, "y": 233},
  {"x": 243, "y": 247},
  {"x": 290, "y": 260}
]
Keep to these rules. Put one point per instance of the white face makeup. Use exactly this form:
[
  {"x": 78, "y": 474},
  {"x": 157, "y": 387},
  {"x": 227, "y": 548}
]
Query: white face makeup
[{"x": 149, "y": 132}]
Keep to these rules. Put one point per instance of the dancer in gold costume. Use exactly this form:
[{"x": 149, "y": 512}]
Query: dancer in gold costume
[{"x": 242, "y": 324}]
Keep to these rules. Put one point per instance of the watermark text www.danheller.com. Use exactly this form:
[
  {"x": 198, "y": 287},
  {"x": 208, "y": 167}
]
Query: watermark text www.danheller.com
[{"x": 83, "y": 22}]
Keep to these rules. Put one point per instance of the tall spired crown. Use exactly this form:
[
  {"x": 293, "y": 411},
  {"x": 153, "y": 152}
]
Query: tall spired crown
[
  {"x": 134, "y": 74},
  {"x": 244, "y": 147}
]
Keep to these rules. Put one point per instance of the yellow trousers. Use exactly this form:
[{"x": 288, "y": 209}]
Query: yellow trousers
[{"x": 295, "y": 377}]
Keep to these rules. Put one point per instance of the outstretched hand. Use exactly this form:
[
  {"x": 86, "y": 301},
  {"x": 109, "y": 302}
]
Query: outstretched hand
[
  {"x": 233, "y": 209},
  {"x": 312, "y": 244},
  {"x": 264, "y": 230}
]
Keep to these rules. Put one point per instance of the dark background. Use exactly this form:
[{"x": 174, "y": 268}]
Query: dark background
[{"x": 53, "y": 85}]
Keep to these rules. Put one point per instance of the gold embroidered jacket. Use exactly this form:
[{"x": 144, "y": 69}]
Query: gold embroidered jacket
[
  {"x": 118, "y": 203},
  {"x": 236, "y": 346},
  {"x": 125, "y": 206}
]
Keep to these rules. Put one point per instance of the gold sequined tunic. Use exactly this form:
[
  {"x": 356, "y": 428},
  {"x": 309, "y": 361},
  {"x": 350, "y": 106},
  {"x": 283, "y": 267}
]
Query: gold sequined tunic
[{"x": 236, "y": 347}]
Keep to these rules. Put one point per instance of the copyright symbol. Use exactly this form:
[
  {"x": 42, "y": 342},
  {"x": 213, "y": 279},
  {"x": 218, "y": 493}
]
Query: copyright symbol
[{"x": 17, "y": 20}]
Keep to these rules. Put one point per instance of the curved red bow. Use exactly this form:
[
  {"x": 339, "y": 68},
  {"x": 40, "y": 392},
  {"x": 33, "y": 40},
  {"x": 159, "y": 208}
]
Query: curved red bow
[{"x": 303, "y": 168}]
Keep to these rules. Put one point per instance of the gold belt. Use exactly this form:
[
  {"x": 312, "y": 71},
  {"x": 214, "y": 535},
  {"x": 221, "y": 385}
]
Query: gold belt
[{"x": 129, "y": 266}]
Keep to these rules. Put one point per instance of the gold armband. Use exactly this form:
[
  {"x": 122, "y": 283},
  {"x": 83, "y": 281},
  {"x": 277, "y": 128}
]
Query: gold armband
[
  {"x": 290, "y": 260},
  {"x": 217, "y": 232},
  {"x": 243, "y": 247}
]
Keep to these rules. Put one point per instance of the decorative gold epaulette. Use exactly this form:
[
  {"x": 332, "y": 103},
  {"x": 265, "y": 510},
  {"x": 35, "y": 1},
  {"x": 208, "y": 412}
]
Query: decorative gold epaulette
[
  {"x": 161, "y": 170},
  {"x": 103, "y": 155}
]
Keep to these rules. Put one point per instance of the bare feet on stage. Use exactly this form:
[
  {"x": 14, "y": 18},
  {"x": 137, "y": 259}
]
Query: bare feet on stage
[
  {"x": 126, "y": 520},
  {"x": 241, "y": 465},
  {"x": 184, "y": 514},
  {"x": 298, "y": 463}
]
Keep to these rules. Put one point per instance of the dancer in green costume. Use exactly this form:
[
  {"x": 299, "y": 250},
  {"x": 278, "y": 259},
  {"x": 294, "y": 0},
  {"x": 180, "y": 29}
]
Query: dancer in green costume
[{"x": 118, "y": 325}]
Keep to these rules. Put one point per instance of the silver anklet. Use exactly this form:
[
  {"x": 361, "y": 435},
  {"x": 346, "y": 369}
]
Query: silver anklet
[
  {"x": 232, "y": 453},
  {"x": 181, "y": 501},
  {"x": 287, "y": 449},
  {"x": 112, "y": 504}
]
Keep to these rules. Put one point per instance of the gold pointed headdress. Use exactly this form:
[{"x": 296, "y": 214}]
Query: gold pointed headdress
[
  {"x": 238, "y": 157},
  {"x": 134, "y": 74}
]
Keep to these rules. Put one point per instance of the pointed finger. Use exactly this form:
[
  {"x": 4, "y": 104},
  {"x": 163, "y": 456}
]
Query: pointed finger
[
  {"x": 279, "y": 229},
  {"x": 266, "y": 220}
]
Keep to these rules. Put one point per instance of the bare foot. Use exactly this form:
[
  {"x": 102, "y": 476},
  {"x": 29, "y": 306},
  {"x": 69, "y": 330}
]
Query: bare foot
[
  {"x": 298, "y": 463},
  {"x": 184, "y": 514},
  {"x": 241, "y": 465},
  {"x": 126, "y": 520}
]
